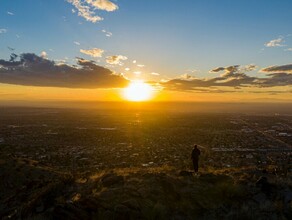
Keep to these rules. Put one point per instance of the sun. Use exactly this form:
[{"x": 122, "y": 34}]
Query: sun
[{"x": 138, "y": 91}]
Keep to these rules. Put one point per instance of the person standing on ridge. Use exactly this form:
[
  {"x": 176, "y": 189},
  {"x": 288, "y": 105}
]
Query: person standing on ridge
[{"x": 195, "y": 158}]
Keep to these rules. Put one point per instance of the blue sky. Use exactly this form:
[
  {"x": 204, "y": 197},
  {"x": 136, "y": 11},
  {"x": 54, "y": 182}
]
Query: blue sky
[{"x": 169, "y": 37}]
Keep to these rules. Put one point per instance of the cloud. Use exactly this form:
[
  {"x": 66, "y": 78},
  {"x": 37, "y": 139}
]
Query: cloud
[
  {"x": 95, "y": 52},
  {"x": 10, "y": 48},
  {"x": 249, "y": 68},
  {"x": 278, "y": 75},
  {"x": 10, "y": 13},
  {"x": 103, "y": 5},
  {"x": 193, "y": 84},
  {"x": 107, "y": 33},
  {"x": 234, "y": 71},
  {"x": 278, "y": 69},
  {"x": 44, "y": 54},
  {"x": 87, "y": 8},
  {"x": 277, "y": 79},
  {"x": 275, "y": 43},
  {"x": 192, "y": 70},
  {"x": 155, "y": 74},
  {"x": 116, "y": 59},
  {"x": 234, "y": 77},
  {"x": 85, "y": 11},
  {"x": 76, "y": 42},
  {"x": 289, "y": 49},
  {"x": 33, "y": 70},
  {"x": 218, "y": 69},
  {"x": 186, "y": 76},
  {"x": 3, "y": 31}
]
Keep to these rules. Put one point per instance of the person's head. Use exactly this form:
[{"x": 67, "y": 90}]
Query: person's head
[{"x": 195, "y": 146}]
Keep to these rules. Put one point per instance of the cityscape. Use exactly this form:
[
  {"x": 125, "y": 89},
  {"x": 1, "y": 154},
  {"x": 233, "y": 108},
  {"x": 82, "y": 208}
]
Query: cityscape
[
  {"x": 90, "y": 139},
  {"x": 145, "y": 110}
]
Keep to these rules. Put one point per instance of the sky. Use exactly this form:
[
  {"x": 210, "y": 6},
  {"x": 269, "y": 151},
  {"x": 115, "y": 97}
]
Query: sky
[{"x": 188, "y": 50}]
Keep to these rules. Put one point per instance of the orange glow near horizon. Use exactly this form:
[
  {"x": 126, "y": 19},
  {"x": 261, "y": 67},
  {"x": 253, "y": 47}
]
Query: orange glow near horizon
[{"x": 138, "y": 91}]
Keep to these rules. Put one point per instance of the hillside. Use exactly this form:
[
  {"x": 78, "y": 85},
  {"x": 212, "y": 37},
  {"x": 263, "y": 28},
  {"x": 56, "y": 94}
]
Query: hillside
[{"x": 31, "y": 191}]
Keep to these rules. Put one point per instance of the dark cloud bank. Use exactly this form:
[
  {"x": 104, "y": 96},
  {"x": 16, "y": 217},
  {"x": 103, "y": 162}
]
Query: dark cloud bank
[
  {"x": 32, "y": 70},
  {"x": 235, "y": 77}
]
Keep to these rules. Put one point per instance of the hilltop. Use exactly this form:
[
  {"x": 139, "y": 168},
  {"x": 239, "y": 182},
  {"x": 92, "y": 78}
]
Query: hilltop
[{"x": 32, "y": 191}]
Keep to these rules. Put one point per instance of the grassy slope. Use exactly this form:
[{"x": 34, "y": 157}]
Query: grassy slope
[{"x": 31, "y": 191}]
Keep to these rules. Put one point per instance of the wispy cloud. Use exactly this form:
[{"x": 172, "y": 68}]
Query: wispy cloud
[
  {"x": 3, "y": 31},
  {"x": 186, "y": 76},
  {"x": 95, "y": 52},
  {"x": 10, "y": 13},
  {"x": 10, "y": 48},
  {"x": 85, "y": 11},
  {"x": 278, "y": 69},
  {"x": 87, "y": 8},
  {"x": 107, "y": 33},
  {"x": 276, "y": 42},
  {"x": 33, "y": 70},
  {"x": 192, "y": 70},
  {"x": 116, "y": 59},
  {"x": 77, "y": 43}
]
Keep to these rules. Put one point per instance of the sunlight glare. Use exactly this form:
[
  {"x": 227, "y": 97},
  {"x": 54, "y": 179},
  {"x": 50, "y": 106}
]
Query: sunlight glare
[{"x": 138, "y": 91}]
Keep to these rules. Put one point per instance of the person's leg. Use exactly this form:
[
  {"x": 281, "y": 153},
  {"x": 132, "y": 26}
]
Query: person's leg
[
  {"x": 194, "y": 165},
  {"x": 197, "y": 167}
]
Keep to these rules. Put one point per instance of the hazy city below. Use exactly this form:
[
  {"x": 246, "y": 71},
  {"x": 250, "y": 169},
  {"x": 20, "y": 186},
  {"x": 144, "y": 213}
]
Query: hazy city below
[
  {"x": 128, "y": 156},
  {"x": 127, "y": 135},
  {"x": 174, "y": 107}
]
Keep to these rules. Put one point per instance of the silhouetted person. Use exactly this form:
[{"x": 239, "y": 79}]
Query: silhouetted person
[
  {"x": 195, "y": 158},
  {"x": 264, "y": 185}
]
